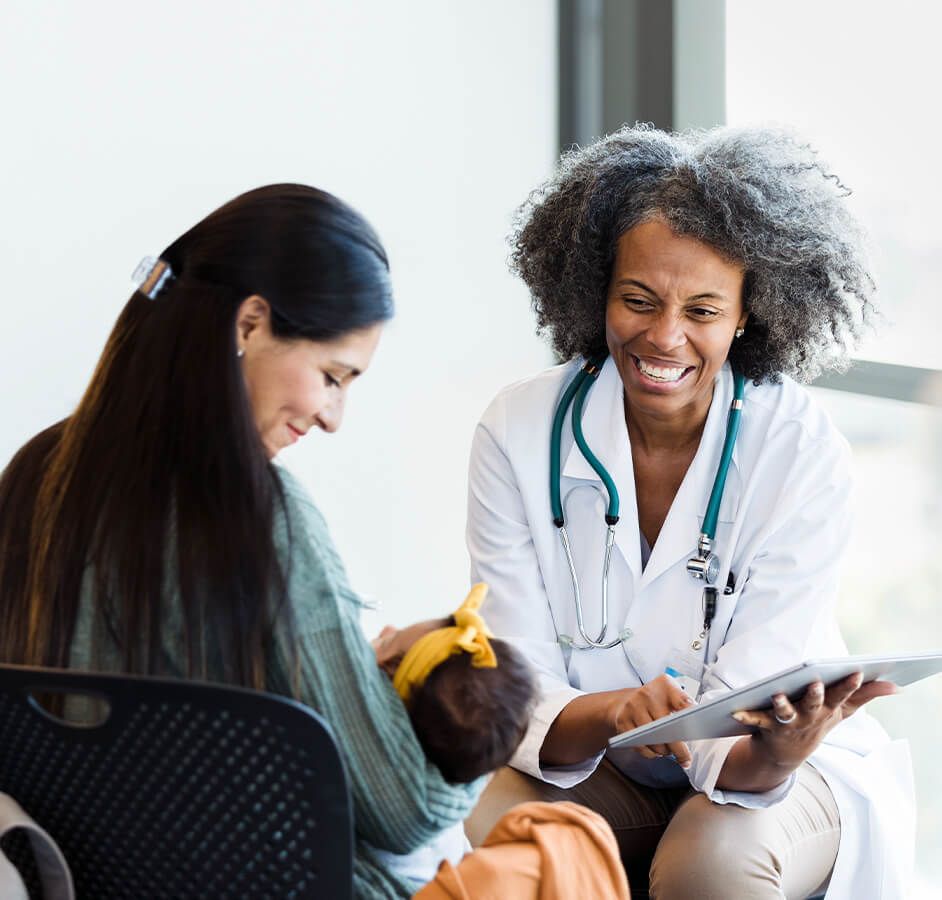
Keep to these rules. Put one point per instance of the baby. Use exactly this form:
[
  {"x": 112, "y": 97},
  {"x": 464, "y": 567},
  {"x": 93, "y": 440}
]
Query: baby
[
  {"x": 469, "y": 695},
  {"x": 469, "y": 698}
]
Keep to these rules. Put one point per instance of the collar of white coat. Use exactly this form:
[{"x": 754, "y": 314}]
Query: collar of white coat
[{"x": 603, "y": 424}]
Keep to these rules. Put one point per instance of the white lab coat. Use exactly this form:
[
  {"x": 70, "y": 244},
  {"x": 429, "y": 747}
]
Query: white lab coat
[{"x": 784, "y": 521}]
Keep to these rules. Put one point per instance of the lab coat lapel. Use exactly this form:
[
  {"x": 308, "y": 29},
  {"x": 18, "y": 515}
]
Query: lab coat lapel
[
  {"x": 678, "y": 537},
  {"x": 603, "y": 424}
]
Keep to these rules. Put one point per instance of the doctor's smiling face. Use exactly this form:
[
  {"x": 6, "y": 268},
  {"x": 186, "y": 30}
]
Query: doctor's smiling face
[
  {"x": 673, "y": 308},
  {"x": 296, "y": 384}
]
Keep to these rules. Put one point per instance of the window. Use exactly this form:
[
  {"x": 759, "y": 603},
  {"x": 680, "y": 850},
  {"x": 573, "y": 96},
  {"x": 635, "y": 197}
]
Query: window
[{"x": 858, "y": 81}]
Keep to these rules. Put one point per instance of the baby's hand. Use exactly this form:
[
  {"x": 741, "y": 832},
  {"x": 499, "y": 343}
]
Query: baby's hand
[{"x": 380, "y": 639}]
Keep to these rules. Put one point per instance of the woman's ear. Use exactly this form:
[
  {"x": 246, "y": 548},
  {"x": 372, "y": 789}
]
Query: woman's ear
[{"x": 253, "y": 318}]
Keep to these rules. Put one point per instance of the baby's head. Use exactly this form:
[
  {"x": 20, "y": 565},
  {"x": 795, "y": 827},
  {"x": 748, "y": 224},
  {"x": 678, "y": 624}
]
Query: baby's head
[{"x": 469, "y": 696}]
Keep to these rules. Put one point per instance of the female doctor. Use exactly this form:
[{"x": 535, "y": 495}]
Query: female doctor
[{"x": 688, "y": 279}]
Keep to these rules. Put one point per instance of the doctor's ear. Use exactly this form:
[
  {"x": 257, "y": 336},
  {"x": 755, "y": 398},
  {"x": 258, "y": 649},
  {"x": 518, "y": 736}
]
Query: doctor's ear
[
  {"x": 741, "y": 324},
  {"x": 253, "y": 318}
]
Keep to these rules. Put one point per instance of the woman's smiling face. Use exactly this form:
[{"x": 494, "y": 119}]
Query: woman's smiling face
[
  {"x": 673, "y": 308},
  {"x": 295, "y": 385}
]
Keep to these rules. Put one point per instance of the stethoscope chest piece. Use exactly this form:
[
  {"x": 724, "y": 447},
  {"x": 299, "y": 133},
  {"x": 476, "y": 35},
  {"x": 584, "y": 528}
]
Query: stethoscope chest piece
[{"x": 705, "y": 566}]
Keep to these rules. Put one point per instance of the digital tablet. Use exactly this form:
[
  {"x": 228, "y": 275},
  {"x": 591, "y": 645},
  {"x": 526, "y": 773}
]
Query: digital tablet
[{"x": 714, "y": 718}]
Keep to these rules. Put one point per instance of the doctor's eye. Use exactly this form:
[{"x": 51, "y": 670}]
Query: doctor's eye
[{"x": 703, "y": 313}]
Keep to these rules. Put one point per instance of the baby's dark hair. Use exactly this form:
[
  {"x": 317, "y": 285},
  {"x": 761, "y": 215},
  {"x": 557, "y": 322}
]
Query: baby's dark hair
[{"x": 470, "y": 720}]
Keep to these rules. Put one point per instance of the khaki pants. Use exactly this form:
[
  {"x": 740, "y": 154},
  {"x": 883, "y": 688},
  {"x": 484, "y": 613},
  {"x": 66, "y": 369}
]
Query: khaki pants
[{"x": 696, "y": 850}]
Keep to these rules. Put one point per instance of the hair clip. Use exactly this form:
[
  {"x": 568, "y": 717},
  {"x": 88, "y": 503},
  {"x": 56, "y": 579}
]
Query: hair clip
[{"x": 151, "y": 275}]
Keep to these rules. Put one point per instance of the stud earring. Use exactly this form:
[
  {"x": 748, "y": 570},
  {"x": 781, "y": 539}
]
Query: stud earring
[
  {"x": 240, "y": 352},
  {"x": 740, "y": 332}
]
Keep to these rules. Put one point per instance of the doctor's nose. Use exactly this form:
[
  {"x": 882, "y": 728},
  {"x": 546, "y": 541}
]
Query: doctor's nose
[
  {"x": 666, "y": 332},
  {"x": 329, "y": 417}
]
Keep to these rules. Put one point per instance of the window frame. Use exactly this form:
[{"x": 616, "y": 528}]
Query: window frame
[{"x": 664, "y": 62}]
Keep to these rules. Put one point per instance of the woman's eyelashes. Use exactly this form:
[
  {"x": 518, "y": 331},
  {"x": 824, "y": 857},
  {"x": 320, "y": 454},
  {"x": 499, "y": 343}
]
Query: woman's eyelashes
[
  {"x": 641, "y": 305},
  {"x": 330, "y": 381},
  {"x": 703, "y": 312}
]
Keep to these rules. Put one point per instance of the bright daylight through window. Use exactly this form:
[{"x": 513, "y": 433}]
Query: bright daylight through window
[{"x": 858, "y": 80}]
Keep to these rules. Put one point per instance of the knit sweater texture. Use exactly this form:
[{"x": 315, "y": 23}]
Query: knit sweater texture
[{"x": 400, "y": 800}]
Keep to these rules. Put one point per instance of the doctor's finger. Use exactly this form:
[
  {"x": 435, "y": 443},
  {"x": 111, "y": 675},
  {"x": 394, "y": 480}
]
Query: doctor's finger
[
  {"x": 681, "y": 752},
  {"x": 838, "y": 693},
  {"x": 681, "y": 701},
  {"x": 782, "y": 710},
  {"x": 678, "y": 750},
  {"x": 867, "y": 692},
  {"x": 663, "y": 702},
  {"x": 665, "y": 692},
  {"x": 813, "y": 699},
  {"x": 754, "y": 717},
  {"x": 660, "y": 749},
  {"x": 647, "y": 752}
]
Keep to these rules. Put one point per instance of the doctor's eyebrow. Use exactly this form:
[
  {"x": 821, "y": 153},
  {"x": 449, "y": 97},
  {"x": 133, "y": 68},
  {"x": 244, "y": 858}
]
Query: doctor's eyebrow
[{"x": 633, "y": 282}]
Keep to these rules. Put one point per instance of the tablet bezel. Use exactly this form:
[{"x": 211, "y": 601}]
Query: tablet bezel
[{"x": 713, "y": 719}]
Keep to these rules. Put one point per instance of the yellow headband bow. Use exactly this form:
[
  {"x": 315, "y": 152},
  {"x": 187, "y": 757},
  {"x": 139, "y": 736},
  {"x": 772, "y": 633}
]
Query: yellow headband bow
[{"x": 469, "y": 634}]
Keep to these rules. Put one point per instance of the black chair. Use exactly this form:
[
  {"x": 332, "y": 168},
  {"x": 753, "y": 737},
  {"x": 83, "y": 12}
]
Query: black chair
[{"x": 186, "y": 790}]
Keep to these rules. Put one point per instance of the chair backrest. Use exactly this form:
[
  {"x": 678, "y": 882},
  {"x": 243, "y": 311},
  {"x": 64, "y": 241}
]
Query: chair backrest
[{"x": 187, "y": 790}]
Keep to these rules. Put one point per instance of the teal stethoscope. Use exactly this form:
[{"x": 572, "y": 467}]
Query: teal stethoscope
[{"x": 703, "y": 567}]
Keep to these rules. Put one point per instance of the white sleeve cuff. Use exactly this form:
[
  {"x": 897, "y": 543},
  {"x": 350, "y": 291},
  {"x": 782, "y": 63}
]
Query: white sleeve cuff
[
  {"x": 707, "y": 759},
  {"x": 527, "y": 757}
]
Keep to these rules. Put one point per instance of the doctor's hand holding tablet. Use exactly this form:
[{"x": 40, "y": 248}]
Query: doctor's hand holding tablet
[
  {"x": 789, "y": 731},
  {"x": 661, "y": 518},
  {"x": 825, "y": 691}
]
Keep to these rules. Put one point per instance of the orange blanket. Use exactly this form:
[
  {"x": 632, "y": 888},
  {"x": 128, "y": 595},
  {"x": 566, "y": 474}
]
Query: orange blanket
[{"x": 537, "y": 851}]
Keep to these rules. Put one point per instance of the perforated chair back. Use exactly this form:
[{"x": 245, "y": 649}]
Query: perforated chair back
[{"x": 187, "y": 790}]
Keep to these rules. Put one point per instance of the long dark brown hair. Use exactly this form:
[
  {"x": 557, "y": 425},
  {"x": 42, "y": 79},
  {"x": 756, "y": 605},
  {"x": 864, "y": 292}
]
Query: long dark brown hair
[{"x": 156, "y": 493}]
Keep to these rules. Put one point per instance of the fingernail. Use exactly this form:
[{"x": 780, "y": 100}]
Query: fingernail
[
  {"x": 817, "y": 688},
  {"x": 685, "y": 765},
  {"x": 739, "y": 717}
]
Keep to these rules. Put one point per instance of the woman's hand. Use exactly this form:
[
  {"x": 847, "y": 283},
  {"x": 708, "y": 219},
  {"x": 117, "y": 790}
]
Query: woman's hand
[
  {"x": 789, "y": 733},
  {"x": 646, "y": 704},
  {"x": 584, "y": 725}
]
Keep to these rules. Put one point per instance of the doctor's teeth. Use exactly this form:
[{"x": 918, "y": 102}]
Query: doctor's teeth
[{"x": 660, "y": 374}]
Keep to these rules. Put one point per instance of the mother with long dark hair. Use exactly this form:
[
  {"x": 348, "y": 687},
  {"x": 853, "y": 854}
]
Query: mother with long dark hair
[{"x": 149, "y": 532}]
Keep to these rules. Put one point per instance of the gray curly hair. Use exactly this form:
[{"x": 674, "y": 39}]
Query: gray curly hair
[{"x": 761, "y": 198}]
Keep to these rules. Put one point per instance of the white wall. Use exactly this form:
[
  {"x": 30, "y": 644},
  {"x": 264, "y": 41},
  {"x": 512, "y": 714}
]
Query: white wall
[{"x": 124, "y": 123}]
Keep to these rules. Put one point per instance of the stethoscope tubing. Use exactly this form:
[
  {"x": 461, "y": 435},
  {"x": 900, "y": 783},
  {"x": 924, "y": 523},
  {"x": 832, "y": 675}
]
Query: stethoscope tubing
[
  {"x": 575, "y": 395},
  {"x": 611, "y": 515},
  {"x": 556, "y": 439},
  {"x": 711, "y": 516},
  {"x": 599, "y": 642}
]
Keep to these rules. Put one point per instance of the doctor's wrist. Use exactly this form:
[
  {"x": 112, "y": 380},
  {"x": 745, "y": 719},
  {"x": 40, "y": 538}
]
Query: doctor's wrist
[
  {"x": 583, "y": 727},
  {"x": 754, "y": 766}
]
